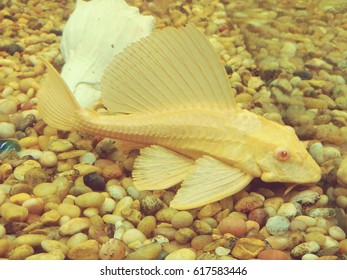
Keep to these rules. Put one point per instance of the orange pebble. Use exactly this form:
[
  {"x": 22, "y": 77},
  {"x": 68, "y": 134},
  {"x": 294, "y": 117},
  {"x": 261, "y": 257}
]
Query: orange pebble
[
  {"x": 32, "y": 218},
  {"x": 235, "y": 226},
  {"x": 272, "y": 254}
]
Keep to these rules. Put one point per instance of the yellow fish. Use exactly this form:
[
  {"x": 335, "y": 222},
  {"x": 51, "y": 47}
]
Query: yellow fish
[{"x": 173, "y": 99}]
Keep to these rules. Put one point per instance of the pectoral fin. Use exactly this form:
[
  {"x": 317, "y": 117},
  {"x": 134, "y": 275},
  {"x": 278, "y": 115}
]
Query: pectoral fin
[
  {"x": 158, "y": 168},
  {"x": 210, "y": 180}
]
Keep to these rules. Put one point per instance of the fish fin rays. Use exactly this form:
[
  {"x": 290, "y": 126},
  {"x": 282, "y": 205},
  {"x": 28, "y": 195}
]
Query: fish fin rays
[
  {"x": 159, "y": 168},
  {"x": 56, "y": 103},
  {"x": 210, "y": 180},
  {"x": 167, "y": 70}
]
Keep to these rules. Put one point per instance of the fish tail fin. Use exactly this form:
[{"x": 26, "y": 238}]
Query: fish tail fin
[{"x": 56, "y": 103}]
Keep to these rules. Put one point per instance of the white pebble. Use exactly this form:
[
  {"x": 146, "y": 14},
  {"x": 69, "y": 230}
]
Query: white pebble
[
  {"x": 277, "y": 225},
  {"x": 116, "y": 192},
  {"x": 87, "y": 158},
  {"x": 7, "y": 130}
]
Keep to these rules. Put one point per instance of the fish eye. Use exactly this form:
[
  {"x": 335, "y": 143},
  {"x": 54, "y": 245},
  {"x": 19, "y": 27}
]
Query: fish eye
[{"x": 282, "y": 154}]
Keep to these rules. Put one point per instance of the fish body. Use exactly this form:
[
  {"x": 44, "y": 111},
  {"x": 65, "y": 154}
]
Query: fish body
[{"x": 173, "y": 100}]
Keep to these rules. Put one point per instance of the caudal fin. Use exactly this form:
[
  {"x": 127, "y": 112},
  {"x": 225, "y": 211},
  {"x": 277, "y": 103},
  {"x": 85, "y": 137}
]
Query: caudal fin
[{"x": 56, "y": 103}]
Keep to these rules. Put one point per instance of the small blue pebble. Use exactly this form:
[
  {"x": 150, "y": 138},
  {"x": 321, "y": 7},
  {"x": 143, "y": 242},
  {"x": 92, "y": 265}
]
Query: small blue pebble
[{"x": 6, "y": 145}]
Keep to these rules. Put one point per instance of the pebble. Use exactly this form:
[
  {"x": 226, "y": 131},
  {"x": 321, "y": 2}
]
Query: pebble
[
  {"x": 4, "y": 247},
  {"x": 202, "y": 227},
  {"x": 133, "y": 235},
  {"x": 21, "y": 252},
  {"x": 166, "y": 214},
  {"x": 277, "y": 242},
  {"x": 54, "y": 255},
  {"x": 52, "y": 245},
  {"x": 112, "y": 171},
  {"x": 91, "y": 199},
  {"x": 287, "y": 210},
  {"x": 77, "y": 238},
  {"x": 116, "y": 192},
  {"x": 315, "y": 236},
  {"x": 200, "y": 241},
  {"x": 30, "y": 239},
  {"x": 2, "y": 231},
  {"x": 13, "y": 213},
  {"x": 309, "y": 257},
  {"x": 35, "y": 176},
  {"x": 44, "y": 189},
  {"x": 88, "y": 157},
  {"x": 151, "y": 204},
  {"x": 337, "y": 233},
  {"x": 48, "y": 159},
  {"x": 248, "y": 203},
  {"x": 34, "y": 205},
  {"x": 74, "y": 225},
  {"x": 302, "y": 249},
  {"x": 19, "y": 171},
  {"x": 146, "y": 252},
  {"x": 272, "y": 254},
  {"x": 209, "y": 210},
  {"x": 235, "y": 226},
  {"x": 321, "y": 212},
  {"x": 50, "y": 218},
  {"x": 309, "y": 221},
  {"x": 184, "y": 235},
  {"x": 7, "y": 130},
  {"x": 88, "y": 250},
  {"x": 125, "y": 202},
  {"x": 147, "y": 225},
  {"x": 71, "y": 154},
  {"x": 60, "y": 145},
  {"x": 182, "y": 219},
  {"x": 221, "y": 251},
  {"x": 167, "y": 232},
  {"x": 95, "y": 181},
  {"x": 342, "y": 173},
  {"x": 342, "y": 246},
  {"x": 19, "y": 198},
  {"x": 182, "y": 254},
  {"x": 247, "y": 248},
  {"x": 277, "y": 225},
  {"x": 274, "y": 202},
  {"x": 7, "y": 107},
  {"x": 305, "y": 197},
  {"x": 113, "y": 249}
]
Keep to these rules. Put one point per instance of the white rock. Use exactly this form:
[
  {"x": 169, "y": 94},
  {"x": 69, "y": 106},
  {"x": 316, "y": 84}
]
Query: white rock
[{"x": 95, "y": 32}]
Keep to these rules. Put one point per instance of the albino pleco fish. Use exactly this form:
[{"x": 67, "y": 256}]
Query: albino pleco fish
[{"x": 176, "y": 104}]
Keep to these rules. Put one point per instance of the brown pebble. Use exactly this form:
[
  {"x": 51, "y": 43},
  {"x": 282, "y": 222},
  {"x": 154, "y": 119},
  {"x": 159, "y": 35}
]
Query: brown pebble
[
  {"x": 259, "y": 215},
  {"x": 113, "y": 249},
  {"x": 151, "y": 204},
  {"x": 112, "y": 171},
  {"x": 248, "y": 203}
]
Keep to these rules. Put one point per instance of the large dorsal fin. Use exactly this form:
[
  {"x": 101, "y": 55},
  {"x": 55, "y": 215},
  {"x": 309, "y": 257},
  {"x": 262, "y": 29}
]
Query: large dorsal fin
[{"x": 168, "y": 70}]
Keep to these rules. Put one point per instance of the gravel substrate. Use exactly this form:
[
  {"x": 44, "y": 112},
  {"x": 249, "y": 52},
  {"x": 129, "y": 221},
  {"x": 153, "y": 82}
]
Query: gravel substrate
[{"x": 66, "y": 195}]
